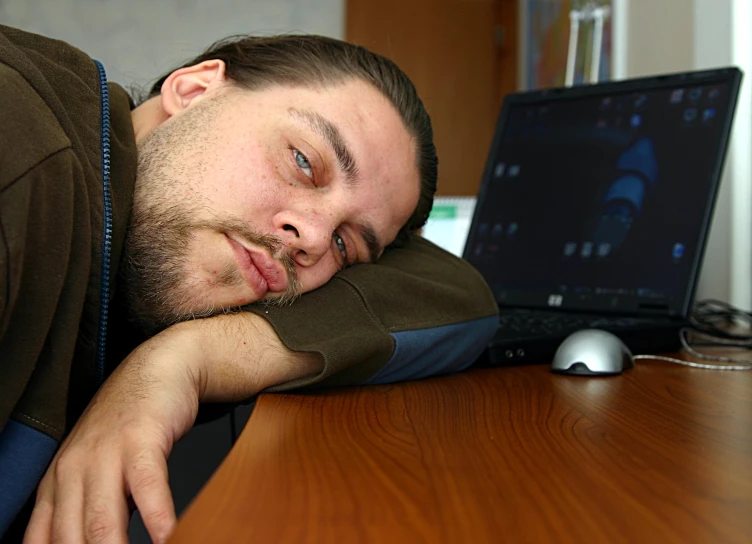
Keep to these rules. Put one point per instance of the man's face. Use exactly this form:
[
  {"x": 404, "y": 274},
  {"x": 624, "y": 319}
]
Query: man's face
[{"x": 257, "y": 195}]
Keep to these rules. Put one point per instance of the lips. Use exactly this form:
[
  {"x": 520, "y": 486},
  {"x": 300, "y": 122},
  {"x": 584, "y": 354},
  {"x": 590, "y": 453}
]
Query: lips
[{"x": 260, "y": 270}]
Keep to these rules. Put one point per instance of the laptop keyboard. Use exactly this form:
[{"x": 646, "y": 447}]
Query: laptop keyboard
[{"x": 532, "y": 324}]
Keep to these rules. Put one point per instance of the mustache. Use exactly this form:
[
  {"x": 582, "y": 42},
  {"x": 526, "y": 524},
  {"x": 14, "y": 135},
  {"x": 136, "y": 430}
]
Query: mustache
[{"x": 276, "y": 248}]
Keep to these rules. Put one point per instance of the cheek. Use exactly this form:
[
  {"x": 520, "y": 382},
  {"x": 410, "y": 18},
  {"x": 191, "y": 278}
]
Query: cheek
[
  {"x": 249, "y": 190},
  {"x": 314, "y": 277}
]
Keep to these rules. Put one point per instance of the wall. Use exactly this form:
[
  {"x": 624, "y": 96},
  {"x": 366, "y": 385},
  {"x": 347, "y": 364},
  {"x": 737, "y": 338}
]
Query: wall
[
  {"x": 661, "y": 36},
  {"x": 722, "y": 37},
  {"x": 711, "y": 51},
  {"x": 139, "y": 40}
]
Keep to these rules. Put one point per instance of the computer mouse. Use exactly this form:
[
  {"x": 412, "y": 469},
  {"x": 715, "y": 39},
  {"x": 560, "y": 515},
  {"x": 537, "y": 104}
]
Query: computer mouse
[{"x": 592, "y": 352}]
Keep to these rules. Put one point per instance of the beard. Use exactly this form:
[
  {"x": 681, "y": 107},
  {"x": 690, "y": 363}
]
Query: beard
[{"x": 155, "y": 270}]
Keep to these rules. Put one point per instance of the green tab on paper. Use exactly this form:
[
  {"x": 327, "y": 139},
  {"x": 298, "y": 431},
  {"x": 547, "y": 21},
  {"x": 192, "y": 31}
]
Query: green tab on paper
[{"x": 443, "y": 212}]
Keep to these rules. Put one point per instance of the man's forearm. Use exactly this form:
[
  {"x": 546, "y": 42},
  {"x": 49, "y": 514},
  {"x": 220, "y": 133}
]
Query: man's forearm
[
  {"x": 120, "y": 445},
  {"x": 236, "y": 356}
]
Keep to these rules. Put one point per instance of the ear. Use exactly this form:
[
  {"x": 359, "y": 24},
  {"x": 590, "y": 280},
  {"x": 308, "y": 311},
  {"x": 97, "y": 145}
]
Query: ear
[{"x": 187, "y": 85}]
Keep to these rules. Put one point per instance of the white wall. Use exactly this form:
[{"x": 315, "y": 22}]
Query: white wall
[
  {"x": 722, "y": 37},
  {"x": 139, "y": 40},
  {"x": 710, "y": 51},
  {"x": 660, "y": 36}
]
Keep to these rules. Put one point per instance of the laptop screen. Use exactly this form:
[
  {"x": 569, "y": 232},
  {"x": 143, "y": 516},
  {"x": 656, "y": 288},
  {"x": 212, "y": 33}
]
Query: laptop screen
[{"x": 600, "y": 197}]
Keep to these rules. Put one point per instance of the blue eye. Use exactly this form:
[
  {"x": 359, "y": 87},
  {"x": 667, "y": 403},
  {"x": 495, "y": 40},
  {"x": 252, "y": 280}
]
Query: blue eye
[
  {"x": 303, "y": 163},
  {"x": 341, "y": 246}
]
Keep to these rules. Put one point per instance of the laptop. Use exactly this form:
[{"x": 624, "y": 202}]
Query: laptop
[{"x": 594, "y": 209}]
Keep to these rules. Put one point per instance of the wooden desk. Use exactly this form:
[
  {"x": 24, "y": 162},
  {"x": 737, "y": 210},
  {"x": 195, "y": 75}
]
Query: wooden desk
[{"x": 662, "y": 453}]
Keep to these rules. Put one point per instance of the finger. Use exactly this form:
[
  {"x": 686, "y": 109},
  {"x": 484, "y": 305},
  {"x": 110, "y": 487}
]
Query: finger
[
  {"x": 146, "y": 475},
  {"x": 106, "y": 513},
  {"x": 40, "y": 524},
  {"x": 68, "y": 506}
]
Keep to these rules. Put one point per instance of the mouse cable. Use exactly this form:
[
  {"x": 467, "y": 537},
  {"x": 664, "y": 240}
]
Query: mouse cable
[{"x": 746, "y": 364}]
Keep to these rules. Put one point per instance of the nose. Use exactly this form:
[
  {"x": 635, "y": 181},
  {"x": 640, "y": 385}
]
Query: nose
[{"x": 306, "y": 235}]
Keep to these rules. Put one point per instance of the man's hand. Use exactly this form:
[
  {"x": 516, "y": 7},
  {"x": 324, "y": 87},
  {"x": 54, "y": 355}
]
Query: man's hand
[{"x": 119, "y": 448}]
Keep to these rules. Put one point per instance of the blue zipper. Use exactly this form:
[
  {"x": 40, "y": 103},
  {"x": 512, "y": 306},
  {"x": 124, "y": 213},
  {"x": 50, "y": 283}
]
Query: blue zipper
[{"x": 104, "y": 291}]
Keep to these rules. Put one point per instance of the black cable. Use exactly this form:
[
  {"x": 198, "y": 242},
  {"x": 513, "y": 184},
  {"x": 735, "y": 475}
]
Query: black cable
[
  {"x": 715, "y": 324},
  {"x": 716, "y": 344},
  {"x": 723, "y": 321}
]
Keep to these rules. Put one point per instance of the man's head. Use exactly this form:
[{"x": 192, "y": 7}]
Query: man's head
[{"x": 265, "y": 166}]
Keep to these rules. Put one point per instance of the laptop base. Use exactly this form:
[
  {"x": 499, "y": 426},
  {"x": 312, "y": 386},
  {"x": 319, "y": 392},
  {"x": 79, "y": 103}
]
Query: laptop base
[{"x": 526, "y": 349}]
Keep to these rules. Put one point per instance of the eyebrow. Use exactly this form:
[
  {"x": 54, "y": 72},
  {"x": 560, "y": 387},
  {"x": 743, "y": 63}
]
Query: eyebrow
[
  {"x": 333, "y": 138},
  {"x": 372, "y": 241}
]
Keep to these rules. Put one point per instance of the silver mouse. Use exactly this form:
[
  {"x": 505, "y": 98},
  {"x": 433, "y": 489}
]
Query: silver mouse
[{"x": 592, "y": 352}]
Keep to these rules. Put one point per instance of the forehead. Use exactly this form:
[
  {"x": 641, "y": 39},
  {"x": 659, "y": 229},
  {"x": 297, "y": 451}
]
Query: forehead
[
  {"x": 358, "y": 109},
  {"x": 361, "y": 112}
]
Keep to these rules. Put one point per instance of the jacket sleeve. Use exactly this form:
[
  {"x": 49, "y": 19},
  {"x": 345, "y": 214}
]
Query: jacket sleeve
[{"x": 417, "y": 312}]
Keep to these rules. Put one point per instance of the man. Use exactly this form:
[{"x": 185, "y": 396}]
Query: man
[{"x": 254, "y": 173}]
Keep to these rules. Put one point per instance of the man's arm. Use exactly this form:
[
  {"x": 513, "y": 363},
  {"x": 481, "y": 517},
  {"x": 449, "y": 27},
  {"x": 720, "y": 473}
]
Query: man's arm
[
  {"x": 120, "y": 445},
  {"x": 417, "y": 312}
]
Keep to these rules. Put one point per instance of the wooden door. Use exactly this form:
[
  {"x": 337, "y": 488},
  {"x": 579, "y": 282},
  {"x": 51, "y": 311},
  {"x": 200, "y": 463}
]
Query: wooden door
[{"x": 462, "y": 57}]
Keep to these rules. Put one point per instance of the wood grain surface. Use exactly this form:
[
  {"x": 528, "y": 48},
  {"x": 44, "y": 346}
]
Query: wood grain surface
[{"x": 662, "y": 453}]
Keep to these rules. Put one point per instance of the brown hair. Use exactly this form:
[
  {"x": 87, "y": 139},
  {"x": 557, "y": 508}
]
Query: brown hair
[{"x": 259, "y": 62}]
